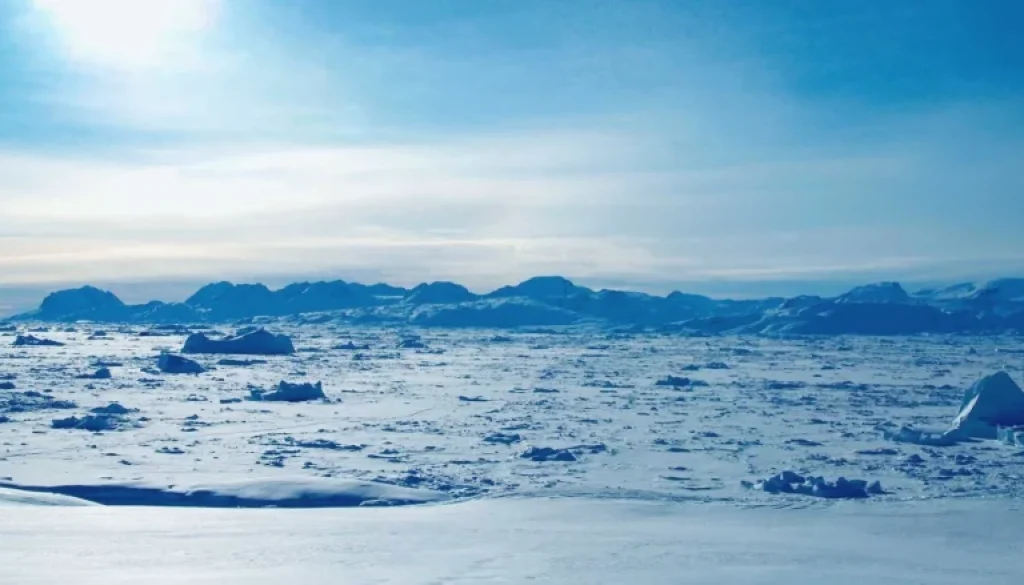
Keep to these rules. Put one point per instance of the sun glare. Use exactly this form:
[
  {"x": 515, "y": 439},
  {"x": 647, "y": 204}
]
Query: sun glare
[{"x": 128, "y": 33}]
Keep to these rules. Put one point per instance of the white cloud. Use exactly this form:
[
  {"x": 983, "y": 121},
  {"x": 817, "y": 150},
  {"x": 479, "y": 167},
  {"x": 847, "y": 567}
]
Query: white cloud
[
  {"x": 320, "y": 155},
  {"x": 482, "y": 209},
  {"x": 128, "y": 34}
]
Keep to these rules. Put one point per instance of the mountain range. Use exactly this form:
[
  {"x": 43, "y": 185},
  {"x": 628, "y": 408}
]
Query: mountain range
[{"x": 884, "y": 308}]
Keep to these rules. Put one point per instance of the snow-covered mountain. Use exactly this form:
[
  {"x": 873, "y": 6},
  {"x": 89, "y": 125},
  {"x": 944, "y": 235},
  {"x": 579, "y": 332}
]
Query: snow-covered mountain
[
  {"x": 880, "y": 292},
  {"x": 883, "y": 308},
  {"x": 439, "y": 293}
]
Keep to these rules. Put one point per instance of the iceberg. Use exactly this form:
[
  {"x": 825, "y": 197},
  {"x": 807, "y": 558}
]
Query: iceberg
[{"x": 257, "y": 342}]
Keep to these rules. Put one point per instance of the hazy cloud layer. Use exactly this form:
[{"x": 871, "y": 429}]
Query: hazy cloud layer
[{"x": 427, "y": 149}]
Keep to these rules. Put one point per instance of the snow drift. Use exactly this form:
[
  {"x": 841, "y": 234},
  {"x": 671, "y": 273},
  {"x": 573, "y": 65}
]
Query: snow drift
[
  {"x": 280, "y": 493},
  {"x": 17, "y": 497}
]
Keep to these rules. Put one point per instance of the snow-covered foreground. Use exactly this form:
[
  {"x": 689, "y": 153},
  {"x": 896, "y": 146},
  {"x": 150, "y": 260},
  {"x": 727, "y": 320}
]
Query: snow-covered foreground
[
  {"x": 484, "y": 457},
  {"x": 564, "y": 541}
]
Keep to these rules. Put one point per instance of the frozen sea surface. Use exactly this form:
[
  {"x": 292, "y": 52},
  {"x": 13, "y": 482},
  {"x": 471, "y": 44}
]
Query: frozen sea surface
[
  {"x": 480, "y": 414},
  {"x": 565, "y": 541},
  {"x": 574, "y": 457}
]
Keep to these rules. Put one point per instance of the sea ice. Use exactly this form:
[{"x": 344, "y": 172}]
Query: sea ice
[
  {"x": 90, "y": 422},
  {"x": 789, "y": 482},
  {"x": 288, "y": 392},
  {"x": 100, "y": 374},
  {"x": 32, "y": 340},
  {"x": 170, "y": 363}
]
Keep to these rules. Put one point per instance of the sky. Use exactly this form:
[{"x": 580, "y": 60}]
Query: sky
[{"x": 640, "y": 142}]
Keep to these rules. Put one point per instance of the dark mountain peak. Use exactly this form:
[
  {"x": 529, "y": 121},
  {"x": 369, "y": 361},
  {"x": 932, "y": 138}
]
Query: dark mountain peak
[
  {"x": 439, "y": 293},
  {"x": 233, "y": 300},
  {"x": 542, "y": 287},
  {"x": 82, "y": 297},
  {"x": 878, "y": 292},
  {"x": 801, "y": 302},
  {"x": 209, "y": 291},
  {"x": 81, "y": 303},
  {"x": 384, "y": 290},
  {"x": 686, "y": 297},
  {"x": 321, "y": 296}
]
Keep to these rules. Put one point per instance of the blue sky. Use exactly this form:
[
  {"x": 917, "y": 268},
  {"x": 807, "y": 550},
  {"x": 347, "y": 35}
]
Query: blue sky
[{"x": 485, "y": 141}]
